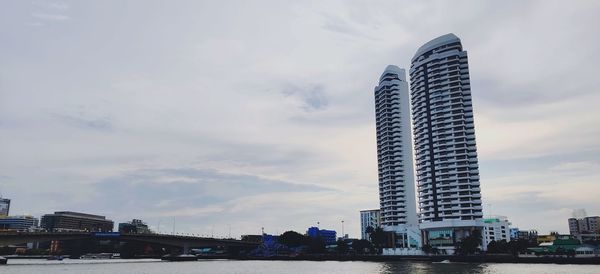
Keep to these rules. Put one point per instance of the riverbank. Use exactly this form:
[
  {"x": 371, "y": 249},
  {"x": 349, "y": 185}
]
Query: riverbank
[
  {"x": 436, "y": 258},
  {"x": 384, "y": 258}
]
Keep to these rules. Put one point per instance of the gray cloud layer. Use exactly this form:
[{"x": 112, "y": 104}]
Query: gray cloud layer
[{"x": 260, "y": 114}]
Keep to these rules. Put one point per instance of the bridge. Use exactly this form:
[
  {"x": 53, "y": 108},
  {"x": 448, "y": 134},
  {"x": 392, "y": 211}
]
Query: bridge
[{"x": 180, "y": 241}]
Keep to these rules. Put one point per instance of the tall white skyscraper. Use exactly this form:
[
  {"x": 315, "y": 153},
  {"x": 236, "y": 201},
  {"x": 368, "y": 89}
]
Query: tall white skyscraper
[
  {"x": 445, "y": 151},
  {"x": 395, "y": 158}
]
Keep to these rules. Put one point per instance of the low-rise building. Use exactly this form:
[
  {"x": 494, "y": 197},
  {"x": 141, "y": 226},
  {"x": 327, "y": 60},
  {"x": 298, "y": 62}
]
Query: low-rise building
[
  {"x": 369, "y": 218},
  {"x": 514, "y": 233},
  {"x": 328, "y": 236},
  {"x": 546, "y": 238},
  {"x": 75, "y": 221},
  {"x": 136, "y": 226},
  {"x": 528, "y": 235},
  {"x": 496, "y": 228},
  {"x": 18, "y": 223}
]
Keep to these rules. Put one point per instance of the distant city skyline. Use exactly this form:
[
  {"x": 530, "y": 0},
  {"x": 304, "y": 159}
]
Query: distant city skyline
[{"x": 202, "y": 113}]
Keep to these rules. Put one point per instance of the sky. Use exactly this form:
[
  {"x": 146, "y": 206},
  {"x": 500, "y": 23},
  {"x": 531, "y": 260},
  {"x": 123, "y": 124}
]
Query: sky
[{"x": 224, "y": 117}]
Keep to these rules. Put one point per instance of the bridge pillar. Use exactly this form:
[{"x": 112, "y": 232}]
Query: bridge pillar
[{"x": 186, "y": 248}]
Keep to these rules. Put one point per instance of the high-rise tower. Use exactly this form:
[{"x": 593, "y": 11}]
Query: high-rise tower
[
  {"x": 395, "y": 158},
  {"x": 394, "y": 151},
  {"x": 445, "y": 151}
]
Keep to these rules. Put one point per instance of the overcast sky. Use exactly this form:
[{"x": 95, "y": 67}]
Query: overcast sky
[{"x": 250, "y": 114}]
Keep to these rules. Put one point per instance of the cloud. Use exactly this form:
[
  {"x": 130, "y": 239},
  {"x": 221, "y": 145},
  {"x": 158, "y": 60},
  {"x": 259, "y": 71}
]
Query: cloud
[
  {"x": 312, "y": 98},
  {"x": 187, "y": 188},
  {"x": 85, "y": 121},
  {"x": 203, "y": 112},
  {"x": 51, "y": 17},
  {"x": 52, "y": 5}
]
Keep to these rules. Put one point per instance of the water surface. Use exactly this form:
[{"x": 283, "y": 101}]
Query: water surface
[{"x": 150, "y": 266}]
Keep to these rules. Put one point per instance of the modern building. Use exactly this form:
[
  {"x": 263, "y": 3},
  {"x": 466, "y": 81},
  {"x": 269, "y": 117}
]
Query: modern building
[
  {"x": 369, "y": 218},
  {"x": 328, "y": 236},
  {"x": 136, "y": 226},
  {"x": 4, "y": 207},
  {"x": 395, "y": 158},
  {"x": 528, "y": 235},
  {"x": 586, "y": 225},
  {"x": 514, "y": 233},
  {"x": 75, "y": 221},
  {"x": 18, "y": 223},
  {"x": 445, "y": 151},
  {"x": 496, "y": 228}
]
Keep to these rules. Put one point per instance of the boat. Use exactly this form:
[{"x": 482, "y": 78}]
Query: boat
[
  {"x": 97, "y": 256},
  {"x": 55, "y": 258},
  {"x": 179, "y": 258}
]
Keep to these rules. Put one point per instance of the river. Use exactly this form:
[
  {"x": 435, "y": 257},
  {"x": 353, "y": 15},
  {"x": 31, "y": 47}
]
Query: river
[{"x": 151, "y": 266}]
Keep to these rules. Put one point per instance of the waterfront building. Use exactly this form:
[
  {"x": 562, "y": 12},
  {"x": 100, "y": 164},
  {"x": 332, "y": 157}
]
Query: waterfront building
[
  {"x": 328, "y": 236},
  {"x": 75, "y": 221},
  {"x": 445, "y": 151},
  {"x": 395, "y": 158},
  {"x": 4, "y": 207},
  {"x": 369, "y": 218},
  {"x": 18, "y": 223},
  {"x": 586, "y": 225},
  {"x": 528, "y": 235},
  {"x": 514, "y": 233},
  {"x": 496, "y": 228},
  {"x": 136, "y": 226}
]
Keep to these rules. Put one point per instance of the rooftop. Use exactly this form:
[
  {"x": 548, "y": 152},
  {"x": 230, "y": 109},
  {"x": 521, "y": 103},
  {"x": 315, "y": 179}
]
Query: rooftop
[
  {"x": 395, "y": 70},
  {"x": 439, "y": 41}
]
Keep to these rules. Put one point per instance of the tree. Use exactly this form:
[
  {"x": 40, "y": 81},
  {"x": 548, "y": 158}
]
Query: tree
[
  {"x": 378, "y": 238},
  {"x": 517, "y": 246},
  {"x": 316, "y": 245},
  {"x": 470, "y": 244},
  {"x": 342, "y": 246},
  {"x": 369, "y": 230},
  {"x": 498, "y": 247},
  {"x": 426, "y": 248},
  {"x": 492, "y": 247},
  {"x": 361, "y": 245},
  {"x": 293, "y": 239}
]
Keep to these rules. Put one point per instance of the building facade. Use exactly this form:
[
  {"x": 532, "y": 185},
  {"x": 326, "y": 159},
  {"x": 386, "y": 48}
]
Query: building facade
[
  {"x": 445, "y": 151},
  {"x": 586, "y": 225},
  {"x": 394, "y": 151},
  {"x": 496, "y": 228},
  {"x": 328, "y": 236},
  {"x": 528, "y": 235},
  {"x": 136, "y": 226},
  {"x": 369, "y": 218},
  {"x": 514, "y": 233},
  {"x": 4, "y": 207},
  {"x": 75, "y": 221},
  {"x": 18, "y": 223},
  {"x": 395, "y": 158}
]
